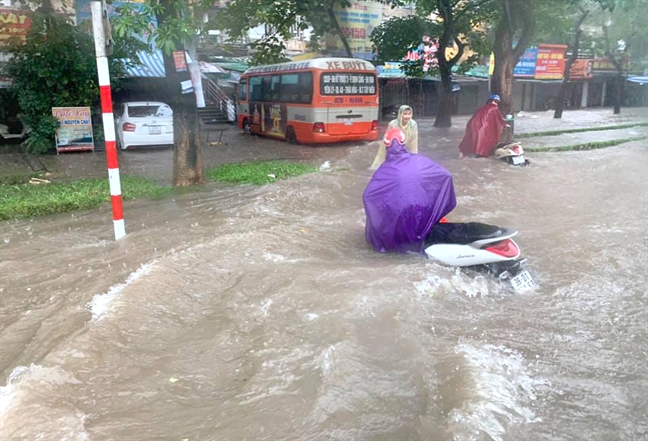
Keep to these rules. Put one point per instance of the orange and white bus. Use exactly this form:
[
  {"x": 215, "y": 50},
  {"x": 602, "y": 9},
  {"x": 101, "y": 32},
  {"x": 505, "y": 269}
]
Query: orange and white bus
[{"x": 322, "y": 100}]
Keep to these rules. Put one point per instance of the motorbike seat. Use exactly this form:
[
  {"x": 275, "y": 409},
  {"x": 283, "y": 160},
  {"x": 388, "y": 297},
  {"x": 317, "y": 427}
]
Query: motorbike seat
[{"x": 461, "y": 233}]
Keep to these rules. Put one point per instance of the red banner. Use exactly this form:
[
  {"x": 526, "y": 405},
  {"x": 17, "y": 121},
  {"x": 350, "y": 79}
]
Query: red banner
[
  {"x": 14, "y": 24},
  {"x": 180, "y": 61},
  {"x": 582, "y": 69},
  {"x": 550, "y": 64}
]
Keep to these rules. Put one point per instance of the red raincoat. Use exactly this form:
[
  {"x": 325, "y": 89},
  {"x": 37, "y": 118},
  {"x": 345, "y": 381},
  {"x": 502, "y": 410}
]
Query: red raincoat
[{"x": 483, "y": 131}]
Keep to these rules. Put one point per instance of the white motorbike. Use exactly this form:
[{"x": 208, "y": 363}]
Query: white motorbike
[
  {"x": 512, "y": 153},
  {"x": 481, "y": 247}
]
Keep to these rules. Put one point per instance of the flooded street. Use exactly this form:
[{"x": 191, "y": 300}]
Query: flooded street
[{"x": 244, "y": 312}]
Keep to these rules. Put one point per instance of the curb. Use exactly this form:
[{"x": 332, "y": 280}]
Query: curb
[
  {"x": 579, "y": 130},
  {"x": 585, "y": 146}
]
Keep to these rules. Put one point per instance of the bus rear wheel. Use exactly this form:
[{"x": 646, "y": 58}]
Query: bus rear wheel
[{"x": 291, "y": 136}]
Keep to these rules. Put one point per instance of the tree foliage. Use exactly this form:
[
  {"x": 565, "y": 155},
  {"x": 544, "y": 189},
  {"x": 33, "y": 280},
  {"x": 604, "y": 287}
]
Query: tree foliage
[
  {"x": 395, "y": 37},
  {"x": 279, "y": 18}
]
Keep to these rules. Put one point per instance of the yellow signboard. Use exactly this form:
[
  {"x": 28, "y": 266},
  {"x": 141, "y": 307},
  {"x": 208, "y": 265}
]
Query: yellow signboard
[{"x": 357, "y": 23}]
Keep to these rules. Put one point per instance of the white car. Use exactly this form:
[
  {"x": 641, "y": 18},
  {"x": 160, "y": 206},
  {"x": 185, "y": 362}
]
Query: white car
[{"x": 143, "y": 123}]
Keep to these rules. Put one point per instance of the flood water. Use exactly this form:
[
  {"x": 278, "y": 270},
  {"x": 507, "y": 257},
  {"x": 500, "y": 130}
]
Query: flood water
[{"x": 260, "y": 313}]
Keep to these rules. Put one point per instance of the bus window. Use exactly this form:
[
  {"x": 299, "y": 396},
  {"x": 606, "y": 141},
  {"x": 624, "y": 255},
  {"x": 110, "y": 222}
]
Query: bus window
[
  {"x": 256, "y": 93},
  {"x": 289, "y": 88},
  {"x": 271, "y": 87},
  {"x": 342, "y": 83},
  {"x": 243, "y": 90},
  {"x": 305, "y": 87}
]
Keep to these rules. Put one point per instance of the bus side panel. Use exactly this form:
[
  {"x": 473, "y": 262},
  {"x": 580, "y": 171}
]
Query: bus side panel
[{"x": 243, "y": 113}]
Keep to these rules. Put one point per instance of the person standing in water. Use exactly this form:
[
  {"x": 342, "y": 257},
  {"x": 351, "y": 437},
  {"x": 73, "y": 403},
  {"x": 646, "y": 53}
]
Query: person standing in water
[
  {"x": 483, "y": 131},
  {"x": 406, "y": 123}
]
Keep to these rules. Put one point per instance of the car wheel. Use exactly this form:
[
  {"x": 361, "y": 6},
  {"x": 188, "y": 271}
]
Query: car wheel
[{"x": 247, "y": 127}]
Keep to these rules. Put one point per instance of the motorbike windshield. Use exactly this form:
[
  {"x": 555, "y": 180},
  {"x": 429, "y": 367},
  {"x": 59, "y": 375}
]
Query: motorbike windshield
[{"x": 406, "y": 196}]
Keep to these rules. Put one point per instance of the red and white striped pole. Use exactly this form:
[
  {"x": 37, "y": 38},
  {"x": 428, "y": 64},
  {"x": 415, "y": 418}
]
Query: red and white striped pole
[{"x": 101, "y": 39}]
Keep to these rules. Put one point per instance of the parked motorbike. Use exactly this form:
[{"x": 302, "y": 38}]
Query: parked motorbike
[{"x": 480, "y": 247}]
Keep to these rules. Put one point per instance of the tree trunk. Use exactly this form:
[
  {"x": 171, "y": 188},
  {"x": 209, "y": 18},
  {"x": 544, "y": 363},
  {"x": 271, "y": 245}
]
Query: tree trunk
[
  {"x": 444, "y": 111},
  {"x": 187, "y": 151},
  {"x": 618, "y": 95},
  {"x": 502, "y": 79},
  {"x": 516, "y": 15},
  {"x": 335, "y": 23},
  {"x": 570, "y": 62}
]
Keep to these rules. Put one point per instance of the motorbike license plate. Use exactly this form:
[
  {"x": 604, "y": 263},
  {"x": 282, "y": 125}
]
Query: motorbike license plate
[
  {"x": 155, "y": 130},
  {"x": 518, "y": 160},
  {"x": 523, "y": 281}
]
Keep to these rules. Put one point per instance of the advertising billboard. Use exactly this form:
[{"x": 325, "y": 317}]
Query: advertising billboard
[
  {"x": 357, "y": 23},
  {"x": 75, "y": 129}
]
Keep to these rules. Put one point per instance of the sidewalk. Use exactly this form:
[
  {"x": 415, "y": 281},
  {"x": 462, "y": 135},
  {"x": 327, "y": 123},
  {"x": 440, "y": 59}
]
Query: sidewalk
[
  {"x": 234, "y": 146},
  {"x": 538, "y": 122}
]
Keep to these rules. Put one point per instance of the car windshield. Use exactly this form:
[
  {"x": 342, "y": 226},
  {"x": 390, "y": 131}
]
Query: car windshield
[{"x": 144, "y": 111}]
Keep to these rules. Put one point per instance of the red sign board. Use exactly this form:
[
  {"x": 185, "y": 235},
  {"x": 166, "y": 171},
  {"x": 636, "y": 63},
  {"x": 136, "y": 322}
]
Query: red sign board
[
  {"x": 581, "y": 69},
  {"x": 14, "y": 24},
  {"x": 180, "y": 61},
  {"x": 550, "y": 63}
]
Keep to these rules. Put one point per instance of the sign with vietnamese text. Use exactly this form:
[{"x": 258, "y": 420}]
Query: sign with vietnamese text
[
  {"x": 526, "y": 67},
  {"x": 605, "y": 65},
  {"x": 550, "y": 63},
  {"x": 357, "y": 22},
  {"x": 180, "y": 61},
  {"x": 14, "y": 25},
  {"x": 75, "y": 129}
]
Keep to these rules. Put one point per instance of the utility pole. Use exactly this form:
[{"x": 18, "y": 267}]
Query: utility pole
[{"x": 101, "y": 31}]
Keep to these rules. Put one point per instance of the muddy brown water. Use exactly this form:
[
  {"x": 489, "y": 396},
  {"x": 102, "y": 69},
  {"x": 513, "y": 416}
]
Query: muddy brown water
[{"x": 260, "y": 313}]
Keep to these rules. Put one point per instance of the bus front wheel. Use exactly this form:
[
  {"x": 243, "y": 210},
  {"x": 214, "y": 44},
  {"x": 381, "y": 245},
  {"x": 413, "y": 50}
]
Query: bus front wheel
[{"x": 247, "y": 127}]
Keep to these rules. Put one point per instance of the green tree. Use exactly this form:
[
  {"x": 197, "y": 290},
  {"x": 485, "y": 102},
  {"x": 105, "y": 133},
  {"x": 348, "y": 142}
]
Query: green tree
[
  {"x": 624, "y": 40},
  {"x": 513, "y": 32},
  {"x": 178, "y": 24},
  {"x": 55, "y": 67},
  {"x": 455, "y": 26},
  {"x": 279, "y": 18},
  {"x": 574, "y": 47}
]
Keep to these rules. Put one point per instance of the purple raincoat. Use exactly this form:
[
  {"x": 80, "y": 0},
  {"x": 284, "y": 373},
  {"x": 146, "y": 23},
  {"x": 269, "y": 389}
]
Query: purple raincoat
[{"x": 406, "y": 196}]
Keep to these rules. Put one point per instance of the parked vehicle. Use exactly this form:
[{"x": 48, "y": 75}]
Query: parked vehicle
[
  {"x": 143, "y": 123},
  {"x": 323, "y": 100}
]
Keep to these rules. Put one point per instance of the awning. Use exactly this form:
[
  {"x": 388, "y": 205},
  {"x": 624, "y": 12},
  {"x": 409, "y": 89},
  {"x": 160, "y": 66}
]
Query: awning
[
  {"x": 152, "y": 66},
  {"x": 206, "y": 67},
  {"x": 640, "y": 80}
]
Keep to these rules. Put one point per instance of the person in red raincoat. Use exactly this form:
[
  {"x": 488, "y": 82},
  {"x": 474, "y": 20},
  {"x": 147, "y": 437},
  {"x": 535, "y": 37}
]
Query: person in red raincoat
[{"x": 483, "y": 131}]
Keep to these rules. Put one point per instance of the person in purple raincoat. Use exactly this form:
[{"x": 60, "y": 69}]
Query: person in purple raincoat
[{"x": 406, "y": 196}]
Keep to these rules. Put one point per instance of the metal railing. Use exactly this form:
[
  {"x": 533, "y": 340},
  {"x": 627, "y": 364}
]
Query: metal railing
[{"x": 215, "y": 96}]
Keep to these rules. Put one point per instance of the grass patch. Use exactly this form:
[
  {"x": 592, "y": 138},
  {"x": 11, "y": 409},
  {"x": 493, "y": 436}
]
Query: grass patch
[
  {"x": 588, "y": 129},
  {"x": 586, "y": 146},
  {"x": 19, "y": 179},
  {"x": 258, "y": 173},
  {"x": 24, "y": 200}
]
